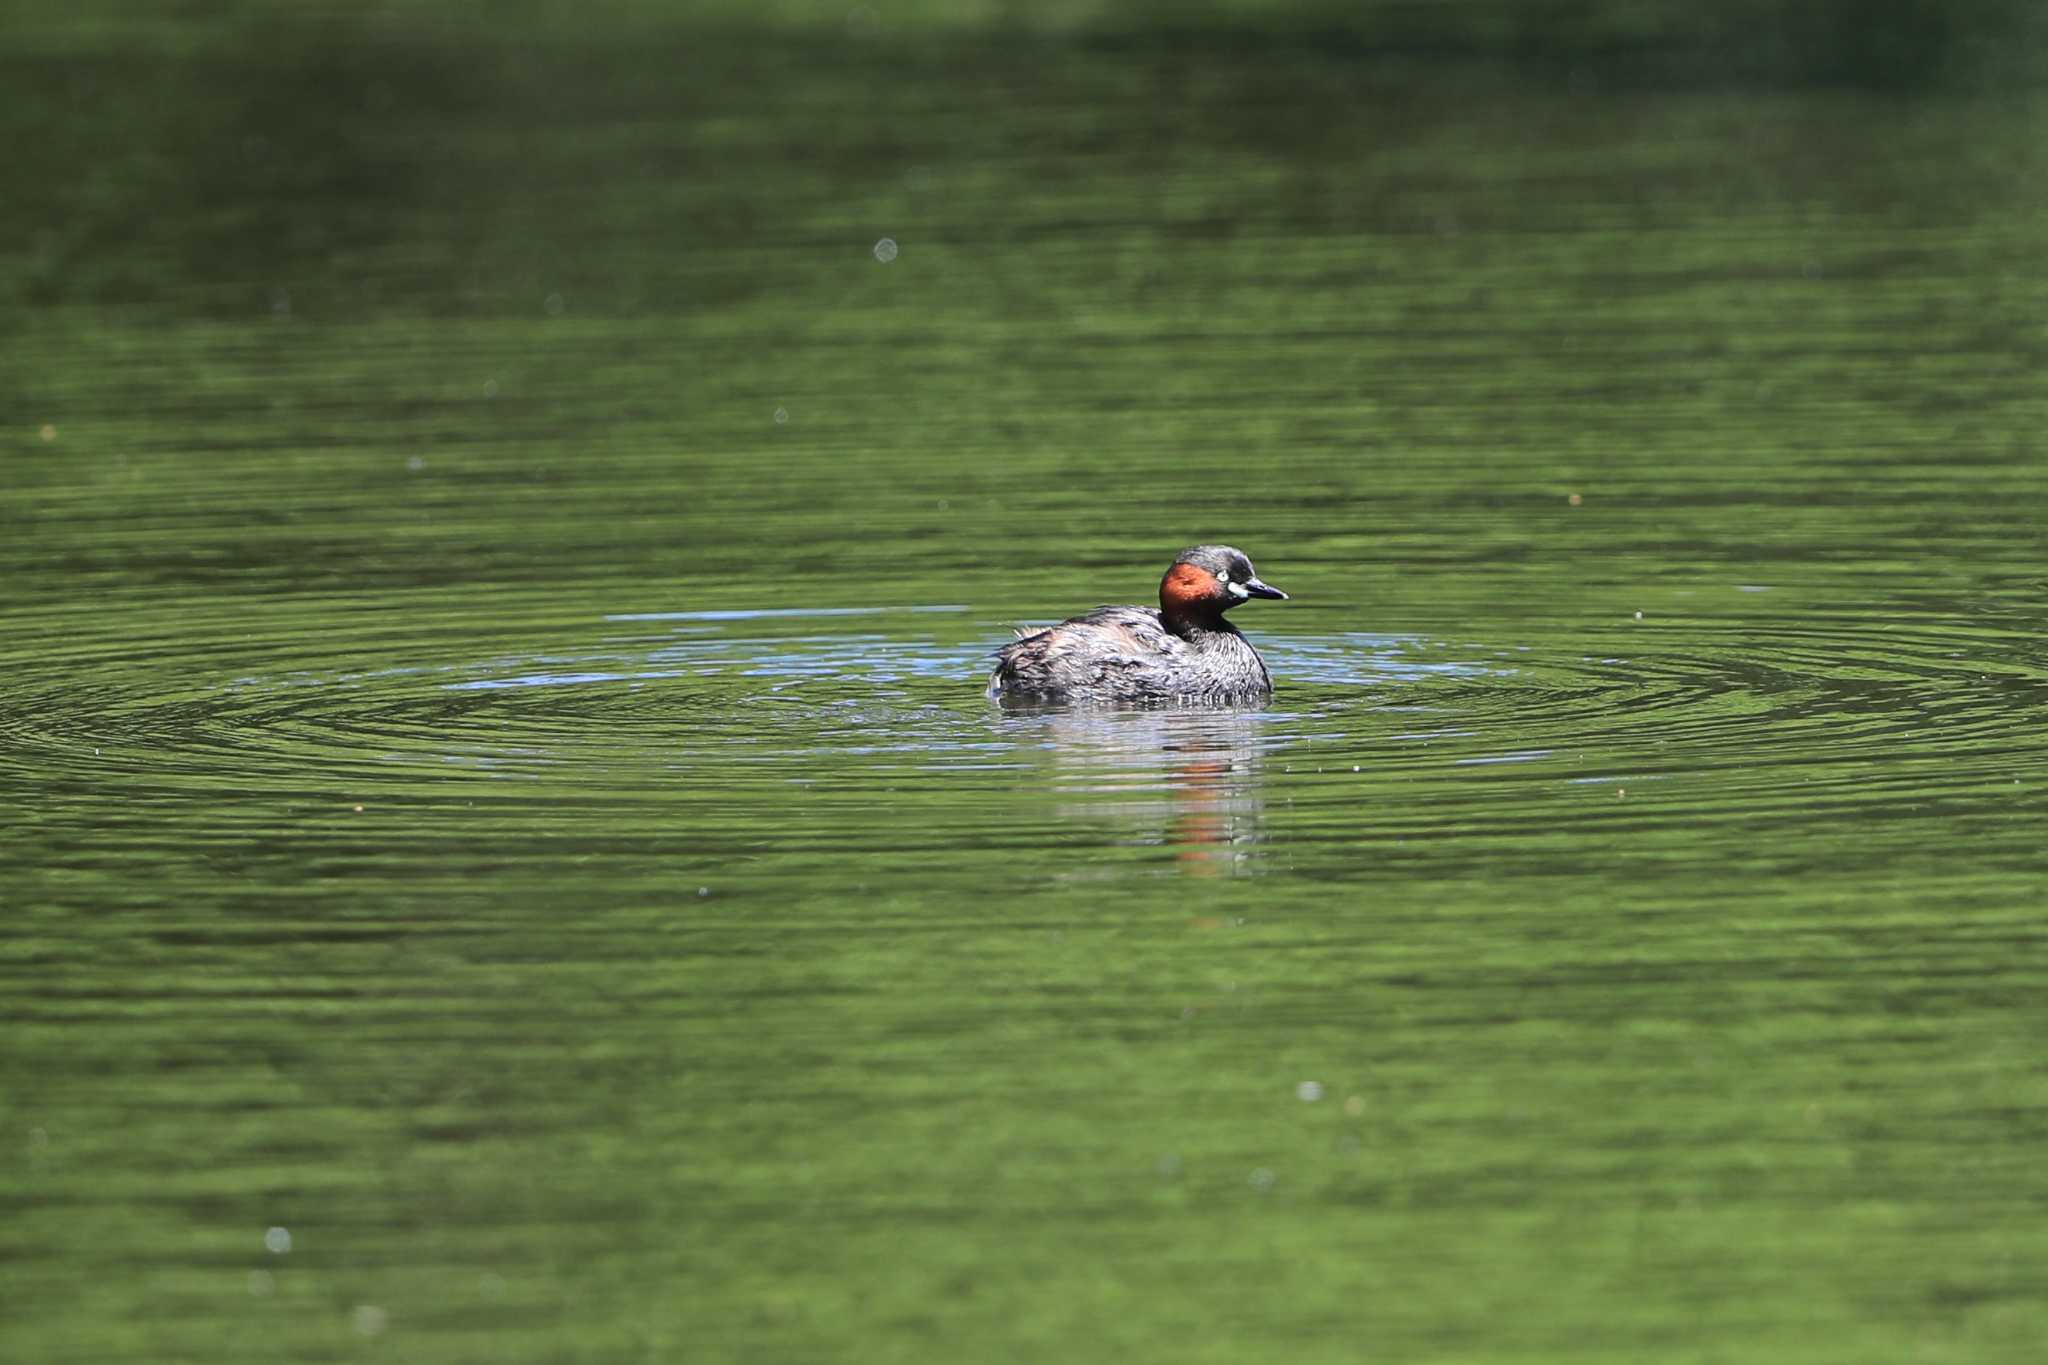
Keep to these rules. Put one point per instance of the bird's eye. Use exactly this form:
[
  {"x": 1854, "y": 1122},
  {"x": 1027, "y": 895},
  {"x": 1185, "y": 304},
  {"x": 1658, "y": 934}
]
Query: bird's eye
[{"x": 1223, "y": 576}]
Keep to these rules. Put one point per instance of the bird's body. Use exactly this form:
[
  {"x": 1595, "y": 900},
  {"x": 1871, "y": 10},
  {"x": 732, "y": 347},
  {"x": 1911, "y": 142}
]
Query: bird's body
[{"x": 1184, "y": 652}]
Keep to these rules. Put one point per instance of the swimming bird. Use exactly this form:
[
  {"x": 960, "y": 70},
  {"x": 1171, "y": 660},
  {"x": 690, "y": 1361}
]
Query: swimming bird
[{"x": 1183, "y": 652}]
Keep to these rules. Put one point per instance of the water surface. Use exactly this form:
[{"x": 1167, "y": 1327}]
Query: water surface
[{"x": 507, "y": 857}]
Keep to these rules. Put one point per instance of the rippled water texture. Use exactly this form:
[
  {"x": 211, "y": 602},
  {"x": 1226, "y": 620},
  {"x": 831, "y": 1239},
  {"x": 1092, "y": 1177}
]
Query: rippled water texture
[{"x": 505, "y": 855}]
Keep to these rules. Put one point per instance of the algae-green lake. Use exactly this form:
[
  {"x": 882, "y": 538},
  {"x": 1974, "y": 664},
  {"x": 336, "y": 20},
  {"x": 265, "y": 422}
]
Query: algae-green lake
[{"x": 504, "y": 856}]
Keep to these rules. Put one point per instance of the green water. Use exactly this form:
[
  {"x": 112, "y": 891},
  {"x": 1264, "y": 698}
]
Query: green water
[{"x": 505, "y": 857}]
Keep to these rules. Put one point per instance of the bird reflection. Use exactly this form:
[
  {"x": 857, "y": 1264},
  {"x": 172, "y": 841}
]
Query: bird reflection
[{"x": 1190, "y": 780}]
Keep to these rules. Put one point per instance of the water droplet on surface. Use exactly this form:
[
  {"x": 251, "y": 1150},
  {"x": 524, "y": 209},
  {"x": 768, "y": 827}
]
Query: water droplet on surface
[
  {"x": 885, "y": 250},
  {"x": 277, "y": 1241},
  {"x": 1308, "y": 1092}
]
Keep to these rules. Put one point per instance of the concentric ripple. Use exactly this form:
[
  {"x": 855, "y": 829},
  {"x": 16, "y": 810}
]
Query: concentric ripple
[{"x": 733, "y": 702}]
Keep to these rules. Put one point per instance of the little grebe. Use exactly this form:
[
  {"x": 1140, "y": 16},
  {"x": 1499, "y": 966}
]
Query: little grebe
[{"x": 1184, "y": 652}]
